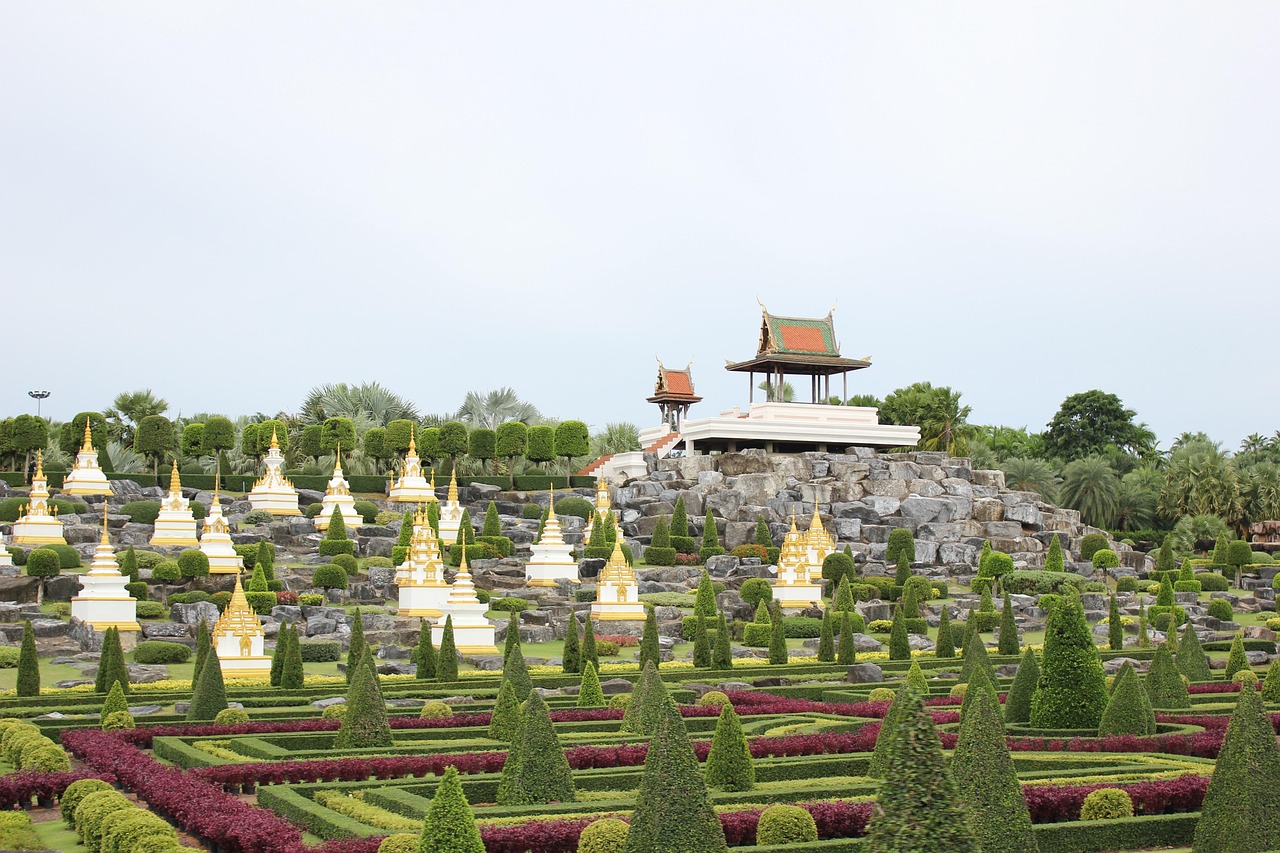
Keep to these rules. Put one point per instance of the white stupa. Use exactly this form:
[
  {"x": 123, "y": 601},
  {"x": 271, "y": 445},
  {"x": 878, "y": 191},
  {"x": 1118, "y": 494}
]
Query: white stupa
[
  {"x": 216, "y": 541},
  {"x": 103, "y": 601},
  {"x": 552, "y": 558},
  {"x": 175, "y": 525},
  {"x": 273, "y": 492},
  {"x": 603, "y": 505},
  {"x": 796, "y": 587},
  {"x": 450, "y": 513},
  {"x": 420, "y": 578},
  {"x": 473, "y": 634},
  {"x": 338, "y": 495},
  {"x": 39, "y": 524},
  {"x": 617, "y": 592},
  {"x": 6, "y": 559},
  {"x": 238, "y": 638},
  {"x": 85, "y": 477},
  {"x": 412, "y": 485}
]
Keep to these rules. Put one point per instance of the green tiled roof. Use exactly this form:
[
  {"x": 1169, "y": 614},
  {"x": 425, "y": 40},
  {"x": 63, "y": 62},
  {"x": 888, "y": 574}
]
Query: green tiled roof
[{"x": 799, "y": 336}]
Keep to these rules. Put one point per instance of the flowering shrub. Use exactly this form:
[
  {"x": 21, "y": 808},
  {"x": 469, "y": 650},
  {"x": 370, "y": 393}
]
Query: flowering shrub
[{"x": 618, "y": 640}]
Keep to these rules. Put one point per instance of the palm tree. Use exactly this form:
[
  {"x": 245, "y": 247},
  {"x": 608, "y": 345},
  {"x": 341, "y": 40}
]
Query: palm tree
[
  {"x": 1260, "y": 492},
  {"x": 1253, "y": 444},
  {"x": 128, "y": 408},
  {"x": 945, "y": 425},
  {"x": 1201, "y": 480},
  {"x": 1090, "y": 485},
  {"x": 772, "y": 395},
  {"x": 1031, "y": 475},
  {"x": 489, "y": 411},
  {"x": 370, "y": 402},
  {"x": 1139, "y": 490},
  {"x": 615, "y": 438}
]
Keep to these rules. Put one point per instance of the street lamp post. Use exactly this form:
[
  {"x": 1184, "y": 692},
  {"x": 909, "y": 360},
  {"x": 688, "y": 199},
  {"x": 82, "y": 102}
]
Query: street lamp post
[{"x": 39, "y": 397}]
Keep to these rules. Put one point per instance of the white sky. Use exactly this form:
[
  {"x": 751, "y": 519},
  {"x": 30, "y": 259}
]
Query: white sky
[{"x": 232, "y": 202}]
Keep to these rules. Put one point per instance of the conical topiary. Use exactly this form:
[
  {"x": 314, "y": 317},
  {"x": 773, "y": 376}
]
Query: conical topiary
[
  {"x": 277, "y": 656},
  {"x": 447, "y": 660},
  {"x": 641, "y": 716},
  {"x": 425, "y": 655},
  {"x": 29, "y": 663},
  {"x": 1236, "y": 658},
  {"x": 1008, "y": 642},
  {"x": 466, "y": 532},
  {"x": 1072, "y": 693},
  {"x": 1241, "y": 808},
  {"x": 115, "y": 702},
  {"x": 516, "y": 671},
  {"x": 762, "y": 613},
  {"x": 1017, "y": 703},
  {"x": 705, "y": 602},
  {"x": 844, "y": 595},
  {"x": 1115, "y": 625},
  {"x": 919, "y": 806},
  {"x": 679, "y": 519},
  {"x": 847, "y": 651},
  {"x": 537, "y": 771},
  {"x": 778, "y": 640},
  {"x": 721, "y": 649},
  {"x": 504, "y": 722},
  {"x": 673, "y": 811},
  {"x": 203, "y": 644},
  {"x": 589, "y": 693},
  {"x": 400, "y": 551},
  {"x": 589, "y": 654},
  {"x": 899, "y": 642},
  {"x": 902, "y": 570},
  {"x": 826, "y": 640},
  {"x": 1164, "y": 683},
  {"x": 209, "y": 696},
  {"x": 884, "y": 738},
  {"x": 492, "y": 524},
  {"x": 449, "y": 826},
  {"x": 129, "y": 565},
  {"x": 111, "y": 665},
  {"x": 987, "y": 780},
  {"x": 979, "y": 682},
  {"x": 1271, "y": 684},
  {"x": 701, "y": 643},
  {"x": 571, "y": 657},
  {"x": 365, "y": 723},
  {"x": 975, "y": 654},
  {"x": 265, "y": 558},
  {"x": 512, "y": 638},
  {"x": 355, "y": 652},
  {"x": 729, "y": 763},
  {"x": 649, "y": 639},
  {"x": 944, "y": 647},
  {"x": 1053, "y": 561},
  {"x": 1192, "y": 661},
  {"x": 710, "y": 538},
  {"x": 1128, "y": 708},
  {"x": 293, "y": 675}
]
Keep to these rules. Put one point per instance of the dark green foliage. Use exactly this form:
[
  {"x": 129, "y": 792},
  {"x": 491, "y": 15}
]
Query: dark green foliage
[
  {"x": 355, "y": 651},
  {"x": 847, "y": 651},
  {"x": 504, "y": 723},
  {"x": 365, "y": 723},
  {"x": 515, "y": 670},
  {"x": 193, "y": 563},
  {"x": 975, "y": 655},
  {"x": 884, "y": 738},
  {"x": 1241, "y": 808},
  {"x": 1271, "y": 684},
  {"x": 702, "y": 643},
  {"x": 203, "y": 644},
  {"x": 756, "y": 590},
  {"x": 512, "y": 638},
  {"x": 920, "y": 808},
  {"x": 763, "y": 537},
  {"x": 482, "y": 444},
  {"x": 589, "y": 653},
  {"x": 673, "y": 810},
  {"x": 836, "y": 568},
  {"x": 28, "y": 663},
  {"x": 1115, "y": 626},
  {"x": 1236, "y": 658},
  {"x": 987, "y": 780},
  {"x": 1017, "y": 703},
  {"x": 826, "y": 640},
  {"x": 160, "y": 651},
  {"x": 1165, "y": 562},
  {"x": 43, "y": 563},
  {"x": 1129, "y": 708},
  {"x": 705, "y": 605},
  {"x": 571, "y": 657},
  {"x": 400, "y": 551},
  {"x": 1192, "y": 661},
  {"x": 155, "y": 438},
  {"x": 465, "y": 529},
  {"x": 729, "y": 763},
  {"x": 1092, "y": 543},
  {"x": 542, "y": 446},
  {"x": 710, "y": 539},
  {"x": 447, "y": 660},
  {"x": 945, "y": 646},
  {"x": 572, "y": 439},
  {"x": 1164, "y": 683},
  {"x": 492, "y": 523},
  {"x": 1220, "y": 609},
  {"x": 777, "y": 640},
  {"x": 330, "y": 576},
  {"x": 844, "y": 597},
  {"x": 721, "y": 650},
  {"x": 425, "y": 653},
  {"x": 449, "y": 826},
  {"x": 899, "y": 644},
  {"x": 589, "y": 693},
  {"x": 1164, "y": 598},
  {"x": 649, "y": 639},
  {"x": 291, "y": 677},
  {"x": 647, "y": 700},
  {"x": 209, "y": 695},
  {"x": 1053, "y": 561},
  {"x": 679, "y": 519},
  {"x": 129, "y": 564},
  {"x": 536, "y": 770},
  {"x": 1072, "y": 693},
  {"x": 111, "y": 665},
  {"x": 1008, "y": 643},
  {"x": 901, "y": 541},
  {"x": 278, "y": 656},
  {"x": 903, "y": 570}
]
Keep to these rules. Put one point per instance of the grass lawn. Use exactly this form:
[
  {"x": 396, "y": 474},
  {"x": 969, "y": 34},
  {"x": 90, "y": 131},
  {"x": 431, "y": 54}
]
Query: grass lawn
[{"x": 55, "y": 836}]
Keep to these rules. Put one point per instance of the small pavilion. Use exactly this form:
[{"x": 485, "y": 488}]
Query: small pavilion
[
  {"x": 674, "y": 394},
  {"x": 798, "y": 346}
]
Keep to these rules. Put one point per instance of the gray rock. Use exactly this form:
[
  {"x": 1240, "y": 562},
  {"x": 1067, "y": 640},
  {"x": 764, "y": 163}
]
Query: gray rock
[
  {"x": 144, "y": 710},
  {"x": 865, "y": 673},
  {"x": 165, "y": 630},
  {"x": 191, "y": 614}
]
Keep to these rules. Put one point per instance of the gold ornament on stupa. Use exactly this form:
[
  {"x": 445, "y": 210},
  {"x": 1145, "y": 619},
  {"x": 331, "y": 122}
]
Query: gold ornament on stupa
[
  {"x": 85, "y": 476},
  {"x": 617, "y": 591},
  {"x": 175, "y": 524},
  {"x": 239, "y": 639},
  {"x": 412, "y": 486},
  {"x": 103, "y": 600},
  {"x": 472, "y": 632},
  {"x": 39, "y": 523},
  {"x": 273, "y": 492}
]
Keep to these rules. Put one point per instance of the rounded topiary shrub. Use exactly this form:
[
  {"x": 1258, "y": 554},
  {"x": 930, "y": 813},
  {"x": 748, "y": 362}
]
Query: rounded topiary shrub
[
  {"x": 193, "y": 563},
  {"x": 619, "y": 700},
  {"x": 715, "y": 697},
  {"x": 160, "y": 651},
  {"x": 401, "y": 842},
  {"x": 581, "y": 507},
  {"x": 881, "y": 694},
  {"x": 68, "y": 555},
  {"x": 1091, "y": 544},
  {"x": 1106, "y": 804},
  {"x": 43, "y": 563},
  {"x": 756, "y": 590},
  {"x": 141, "y": 512},
  {"x": 330, "y": 576},
  {"x": 435, "y": 711},
  {"x": 334, "y": 712},
  {"x": 1127, "y": 584},
  {"x": 231, "y": 717},
  {"x": 166, "y": 571},
  {"x": 367, "y": 510},
  {"x": 313, "y": 510},
  {"x": 76, "y": 792},
  {"x": 607, "y": 835},
  {"x": 958, "y": 690},
  {"x": 531, "y": 512},
  {"x": 784, "y": 824},
  {"x": 348, "y": 563},
  {"x": 376, "y": 563},
  {"x": 1220, "y": 609},
  {"x": 1244, "y": 675},
  {"x": 118, "y": 720}
]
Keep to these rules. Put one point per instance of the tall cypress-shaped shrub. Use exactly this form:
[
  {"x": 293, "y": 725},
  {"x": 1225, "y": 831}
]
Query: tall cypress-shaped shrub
[
  {"x": 1115, "y": 626},
  {"x": 571, "y": 657},
  {"x": 425, "y": 655},
  {"x": 920, "y": 810},
  {"x": 705, "y": 603},
  {"x": 916, "y": 679},
  {"x": 400, "y": 551},
  {"x": 847, "y": 653},
  {"x": 277, "y": 656},
  {"x": 1128, "y": 708},
  {"x": 763, "y": 537},
  {"x": 209, "y": 695},
  {"x": 679, "y": 519},
  {"x": 589, "y": 693},
  {"x": 1241, "y": 808},
  {"x": 1236, "y": 658},
  {"x": 778, "y": 640},
  {"x": 884, "y": 738},
  {"x": 449, "y": 826},
  {"x": 1008, "y": 642},
  {"x": 28, "y": 663},
  {"x": 721, "y": 650},
  {"x": 1271, "y": 684},
  {"x": 975, "y": 655},
  {"x": 1192, "y": 661},
  {"x": 1144, "y": 638},
  {"x": 447, "y": 660},
  {"x": 492, "y": 524},
  {"x": 355, "y": 652},
  {"x": 945, "y": 647},
  {"x": 293, "y": 675},
  {"x": 1017, "y": 703},
  {"x": 729, "y": 763},
  {"x": 504, "y": 722},
  {"x": 902, "y": 571},
  {"x": 641, "y": 716},
  {"x": 826, "y": 640},
  {"x": 673, "y": 809},
  {"x": 710, "y": 539},
  {"x": 203, "y": 644},
  {"x": 540, "y": 772},
  {"x": 512, "y": 639},
  {"x": 988, "y": 782},
  {"x": 701, "y": 643},
  {"x": 844, "y": 595},
  {"x": 111, "y": 665},
  {"x": 515, "y": 670},
  {"x": 1053, "y": 561},
  {"x": 129, "y": 565},
  {"x": 365, "y": 723},
  {"x": 589, "y": 654},
  {"x": 899, "y": 643},
  {"x": 1164, "y": 683},
  {"x": 1072, "y": 693},
  {"x": 649, "y": 639}
]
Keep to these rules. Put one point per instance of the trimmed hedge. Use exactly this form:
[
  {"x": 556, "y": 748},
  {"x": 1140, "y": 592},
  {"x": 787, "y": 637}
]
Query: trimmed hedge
[{"x": 159, "y": 651}]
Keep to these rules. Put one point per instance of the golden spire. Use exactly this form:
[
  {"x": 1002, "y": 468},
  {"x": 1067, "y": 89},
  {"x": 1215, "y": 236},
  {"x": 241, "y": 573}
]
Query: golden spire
[
  {"x": 175, "y": 484},
  {"x": 275, "y": 442},
  {"x": 337, "y": 463},
  {"x": 453, "y": 485},
  {"x": 106, "y": 540},
  {"x": 88, "y": 437},
  {"x": 238, "y": 618},
  {"x": 433, "y": 480},
  {"x": 217, "y": 477},
  {"x": 39, "y": 465},
  {"x": 551, "y": 505},
  {"x": 413, "y": 446},
  {"x": 462, "y": 565}
]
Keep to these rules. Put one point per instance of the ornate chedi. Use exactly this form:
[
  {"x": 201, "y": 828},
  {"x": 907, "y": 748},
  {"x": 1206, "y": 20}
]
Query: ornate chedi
[
  {"x": 85, "y": 477},
  {"x": 39, "y": 524},
  {"x": 818, "y": 543},
  {"x": 338, "y": 495},
  {"x": 274, "y": 493},
  {"x": 238, "y": 638},
  {"x": 450, "y": 513},
  {"x": 795, "y": 587},
  {"x": 603, "y": 505},
  {"x": 216, "y": 541},
  {"x": 412, "y": 485},
  {"x": 6, "y": 559},
  {"x": 175, "y": 525},
  {"x": 473, "y": 634},
  {"x": 617, "y": 592},
  {"x": 420, "y": 578},
  {"x": 103, "y": 602},
  {"x": 552, "y": 558}
]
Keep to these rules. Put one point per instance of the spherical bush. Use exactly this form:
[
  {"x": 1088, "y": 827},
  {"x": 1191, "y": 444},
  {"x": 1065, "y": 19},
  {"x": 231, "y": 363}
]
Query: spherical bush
[
  {"x": 756, "y": 590},
  {"x": 881, "y": 694},
  {"x": 1106, "y": 804},
  {"x": 348, "y": 563},
  {"x": 231, "y": 717},
  {"x": 333, "y": 712},
  {"x": 76, "y": 792},
  {"x": 435, "y": 711},
  {"x": 607, "y": 835},
  {"x": 193, "y": 563},
  {"x": 783, "y": 824},
  {"x": 619, "y": 700},
  {"x": 715, "y": 697},
  {"x": 1245, "y": 675},
  {"x": 330, "y": 576},
  {"x": 958, "y": 690},
  {"x": 1220, "y": 609},
  {"x": 118, "y": 720}
]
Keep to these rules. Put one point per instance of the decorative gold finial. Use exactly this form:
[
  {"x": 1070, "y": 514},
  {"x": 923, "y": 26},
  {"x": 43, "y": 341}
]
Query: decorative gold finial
[
  {"x": 413, "y": 446},
  {"x": 39, "y": 465},
  {"x": 88, "y": 436},
  {"x": 551, "y": 504},
  {"x": 433, "y": 480},
  {"x": 453, "y": 485},
  {"x": 217, "y": 477},
  {"x": 106, "y": 540},
  {"x": 275, "y": 442},
  {"x": 337, "y": 462},
  {"x": 175, "y": 484}
]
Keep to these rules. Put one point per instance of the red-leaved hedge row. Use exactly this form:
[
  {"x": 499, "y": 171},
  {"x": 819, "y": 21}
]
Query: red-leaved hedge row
[{"x": 17, "y": 790}]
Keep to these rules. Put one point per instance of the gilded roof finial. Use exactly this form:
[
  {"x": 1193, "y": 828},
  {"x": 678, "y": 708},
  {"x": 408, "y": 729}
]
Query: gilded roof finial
[
  {"x": 106, "y": 540},
  {"x": 275, "y": 441},
  {"x": 413, "y": 447},
  {"x": 551, "y": 504},
  {"x": 453, "y": 485},
  {"x": 433, "y": 479},
  {"x": 337, "y": 460},
  {"x": 217, "y": 477},
  {"x": 175, "y": 484},
  {"x": 88, "y": 436},
  {"x": 39, "y": 465}
]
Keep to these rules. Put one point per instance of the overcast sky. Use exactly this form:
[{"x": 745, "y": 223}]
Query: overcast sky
[{"x": 232, "y": 202}]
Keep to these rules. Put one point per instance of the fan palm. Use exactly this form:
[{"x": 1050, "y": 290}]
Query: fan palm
[
  {"x": 1136, "y": 507},
  {"x": 128, "y": 409},
  {"x": 615, "y": 438},
  {"x": 1091, "y": 486},
  {"x": 1252, "y": 446},
  {"x": 489, "y": 411},
  {"x": 945, "y": 425},
  {"x": 1201, "y": 480},
  {"x": 1031, "y": 475},
  {"x": 1260, "y": 492},
  {"x": 774, "y": 394},
  {"x": 368, "y": 401}
]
